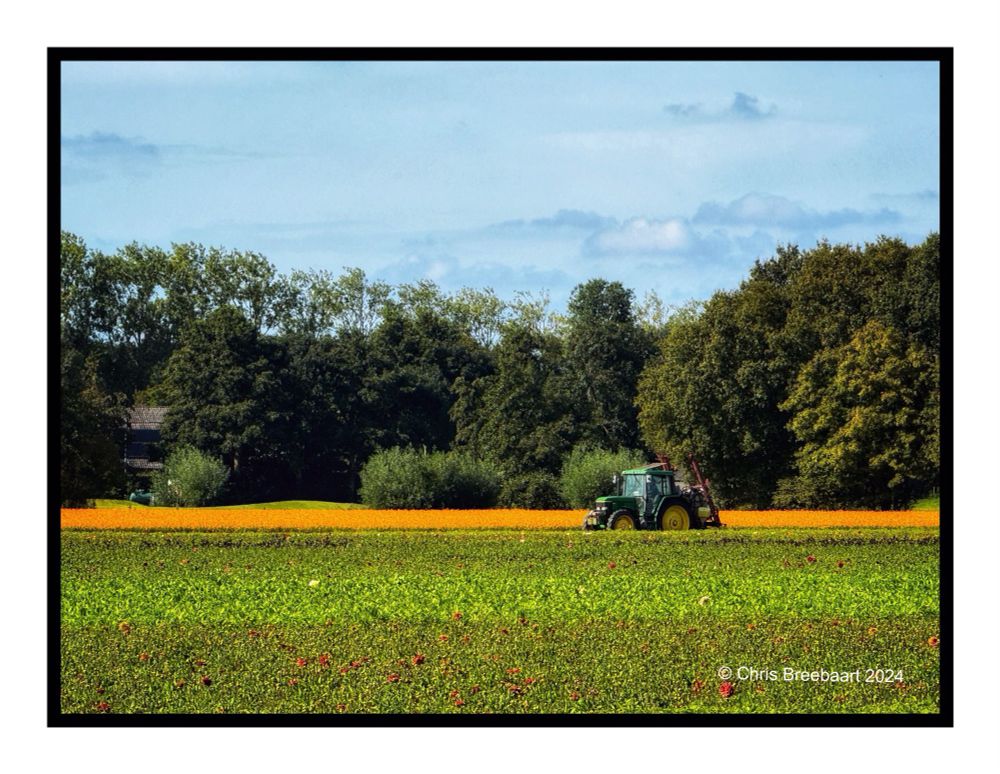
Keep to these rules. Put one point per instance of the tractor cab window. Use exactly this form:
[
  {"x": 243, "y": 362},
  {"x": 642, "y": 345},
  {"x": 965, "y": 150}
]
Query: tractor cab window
[
  {"x": 633, "y": 486},
  {"x": 652, "y": 488},
  {"x": 657, "y": 486}
]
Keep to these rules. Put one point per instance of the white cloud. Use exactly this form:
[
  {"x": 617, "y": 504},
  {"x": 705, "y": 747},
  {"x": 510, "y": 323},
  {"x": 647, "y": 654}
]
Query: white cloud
[
  {"x": 642, "y": 236},
  {"x": 761, "y": 209},
  {"x": 702, "y": 146}
]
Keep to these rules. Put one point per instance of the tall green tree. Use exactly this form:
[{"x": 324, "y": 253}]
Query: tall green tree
[
  {"x": 865, "y": 417},
  {"x": 249, "y": 282},
  {"x": 415, "y": 361},
  {"x": 523, "y": 416},
  {"x": 91, "y": 432},
  {"x": 739, "y": 383},
  {"x": 715, "y": 387},
  {"x": 224, "y": 387},
  {"x": 76, "y": 295},
  {"x": 479, "y": 312},
  {"x": 606, "y": 350},
  {"x": 336, "y": 420}
]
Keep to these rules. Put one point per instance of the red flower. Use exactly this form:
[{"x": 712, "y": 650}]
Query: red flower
[
  {"x": 611, "y": 565},
  {"x": 474, "y": 689},
  {"x": 301, "y": 662},
  {"x": 102, "y": 706},
  {"x": 840, "y": 563},
  {"x": 443, "y": 637},
  {"x": 726, "y": 689},
  {"x": 574, "y": 696},
  {"x": 144, "y": 656},
  {"x": 418, "y": 659},
  {"x": 206, "y": 680},
  {"x": 933, "y": 641},
  {"x": 341, "y": 707},
  {"x": 456, "y": 615},
  {"x": 293, "y": 681},
  {"x": 810, "y": 558},
  {"x": 513, "y": 670},
  {"x": 392, "y": 677},
  {"x": 453, "y": 694},
  {"x": 459, "y": 702},
  {"x": 324, "y": 659},
  {"x": 529, "y": 680}
]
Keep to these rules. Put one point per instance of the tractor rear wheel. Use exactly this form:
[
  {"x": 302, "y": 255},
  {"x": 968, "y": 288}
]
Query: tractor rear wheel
[
  {"x": 675, "y": 517},
  {"x": 621, "y": 520}
]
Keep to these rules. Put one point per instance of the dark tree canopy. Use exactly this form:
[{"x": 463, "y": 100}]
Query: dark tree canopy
[
  {"x": 744, "y": 382},
  {"x": 815, "y": 382},
  {"x": 522, "y": 416},
  {"x": 223, "y": 385},
  {"x": 91, "y": 432},
  {"x": 606, "y": 350},
  {"x": 866, "y": 418}
]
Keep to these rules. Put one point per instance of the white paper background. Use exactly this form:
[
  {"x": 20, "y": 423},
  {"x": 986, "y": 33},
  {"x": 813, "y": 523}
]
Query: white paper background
[{"x": 27, "y": 30}]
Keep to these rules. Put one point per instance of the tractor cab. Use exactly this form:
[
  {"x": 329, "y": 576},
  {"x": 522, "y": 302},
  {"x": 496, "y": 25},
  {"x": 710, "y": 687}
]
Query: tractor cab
[{"x": 651, "y": 498}]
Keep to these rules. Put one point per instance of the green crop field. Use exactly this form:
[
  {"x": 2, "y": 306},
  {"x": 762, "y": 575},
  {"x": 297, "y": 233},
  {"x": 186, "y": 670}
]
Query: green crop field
[{"x": 541, "y": 621}]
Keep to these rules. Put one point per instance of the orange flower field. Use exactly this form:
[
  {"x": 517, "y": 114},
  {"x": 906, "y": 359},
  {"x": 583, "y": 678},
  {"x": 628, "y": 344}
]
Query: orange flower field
[
  {"x": 249, "y": 518},
  {"x": 830, "y": 518}
]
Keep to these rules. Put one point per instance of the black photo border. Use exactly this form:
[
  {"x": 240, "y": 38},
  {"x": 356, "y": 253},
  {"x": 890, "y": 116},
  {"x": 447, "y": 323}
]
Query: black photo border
[{"x": 945, "y": 59}]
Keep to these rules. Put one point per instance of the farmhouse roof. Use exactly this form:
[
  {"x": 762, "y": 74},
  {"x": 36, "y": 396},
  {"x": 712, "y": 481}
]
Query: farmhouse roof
[
  {"x": 142, "y": 463},
  {"x": 146, "y": 417}
]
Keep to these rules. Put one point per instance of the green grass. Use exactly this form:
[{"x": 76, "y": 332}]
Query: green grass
[
  {"x": 639, "y": 622},
  {"x": 280, "y": 505},
  {"x": 292, "y": 505},
  {"x": 927, "y": 504}
]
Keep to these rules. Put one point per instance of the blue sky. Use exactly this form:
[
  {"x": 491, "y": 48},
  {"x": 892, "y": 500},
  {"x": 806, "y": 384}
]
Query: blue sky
[{"x": 534, "y": 176}]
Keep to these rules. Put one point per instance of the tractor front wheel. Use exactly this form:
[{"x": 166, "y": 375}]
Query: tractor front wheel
[
  {"x": 675, "y": 517},
  {"x": 621, "y": 520}
]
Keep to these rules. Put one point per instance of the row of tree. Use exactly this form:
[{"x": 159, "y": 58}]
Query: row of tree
[{"x": 814, "y": 382}]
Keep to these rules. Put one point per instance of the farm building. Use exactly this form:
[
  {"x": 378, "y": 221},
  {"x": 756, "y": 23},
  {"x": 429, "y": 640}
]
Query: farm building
[{"x": 142, "y": 445}]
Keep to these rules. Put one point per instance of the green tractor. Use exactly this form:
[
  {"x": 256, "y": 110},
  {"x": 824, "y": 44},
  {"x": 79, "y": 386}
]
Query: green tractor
[{"x": 652, "y": 498}]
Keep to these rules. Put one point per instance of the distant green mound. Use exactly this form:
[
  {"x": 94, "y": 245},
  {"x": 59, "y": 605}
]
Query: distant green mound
[
  {"x": 293, "y": 505},
  {"x": 927, "y": 504},
  {"x": 284, "y": 505}
]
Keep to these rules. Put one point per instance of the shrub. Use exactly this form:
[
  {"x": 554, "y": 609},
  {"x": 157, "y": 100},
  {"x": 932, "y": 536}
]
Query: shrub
[
  {"x": 409, "y": 478},
  {"x": 189, "y": 478},
  {"x": 587, "y": 472},
  {"x": 531, "y": 490},
  {"x": 396, "y": 478},
  {"x": 461, "y": 481}
]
